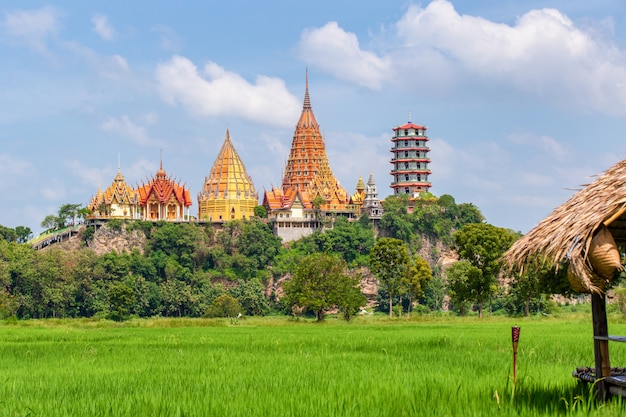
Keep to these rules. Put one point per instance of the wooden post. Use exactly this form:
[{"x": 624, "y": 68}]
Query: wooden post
[
  {"x": 515, "y": 330},
  {"x": 600, "y": 347}
]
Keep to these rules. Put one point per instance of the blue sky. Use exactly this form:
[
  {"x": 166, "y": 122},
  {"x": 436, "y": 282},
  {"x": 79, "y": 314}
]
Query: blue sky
[{"x": 525, "y": 101}]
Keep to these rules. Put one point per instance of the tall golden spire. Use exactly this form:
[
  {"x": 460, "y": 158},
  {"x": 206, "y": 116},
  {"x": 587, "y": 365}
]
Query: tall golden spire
[
  {"x": 307, "y": 167},
  {"x": 307, "y": 99}
]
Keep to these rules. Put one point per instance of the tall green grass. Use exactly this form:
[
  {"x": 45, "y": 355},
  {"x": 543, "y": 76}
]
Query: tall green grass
[{"x": 279, "y": 367}]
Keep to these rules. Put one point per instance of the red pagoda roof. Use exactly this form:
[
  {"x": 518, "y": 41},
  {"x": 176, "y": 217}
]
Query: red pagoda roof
[
  {"x": 410, "y": 125},
  {"x": 162, "y": 188}
]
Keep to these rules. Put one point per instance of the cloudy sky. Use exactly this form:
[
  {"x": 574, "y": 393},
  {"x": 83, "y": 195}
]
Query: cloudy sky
[{"x": 525, "y": 101}]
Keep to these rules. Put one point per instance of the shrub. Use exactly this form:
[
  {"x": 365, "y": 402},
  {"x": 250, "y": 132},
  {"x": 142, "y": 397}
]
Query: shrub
[{"x": 224, "y": 306}]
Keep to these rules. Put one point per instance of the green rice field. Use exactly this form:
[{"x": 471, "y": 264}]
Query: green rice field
[{"x": 427, "y": 366}]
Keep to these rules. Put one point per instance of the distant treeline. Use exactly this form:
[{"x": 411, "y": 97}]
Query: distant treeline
[{"x": 201, "y": 270}]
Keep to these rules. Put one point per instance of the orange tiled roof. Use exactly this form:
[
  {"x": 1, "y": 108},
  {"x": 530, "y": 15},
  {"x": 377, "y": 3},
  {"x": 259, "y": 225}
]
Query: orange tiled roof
[
  {"x": 409, "y": 125},
  {"x": 162, "y": 188}
]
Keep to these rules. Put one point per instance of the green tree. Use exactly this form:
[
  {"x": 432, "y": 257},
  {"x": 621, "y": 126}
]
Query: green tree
[
  {"x": 67, "y": 214},
  {"x": 250, "y": 296},
  {"x": 320, "y": 282},
  {"x": 483, "y": 245},
  {"x": 224, "y": 306},
  {"x": 259, "y": 246},
  {"x": 121, "y": 300},
  {"x": 435, "y": 292},
  {"x": 396, "y": 204},
  {"x": 462, "y": 278},
  {"x": 416, "y": 279},
  {"x": 398, "y": 226},
  {"x": 50, "y": 222},
  {"x": 539, "y": 277},
  {"x": 353, "y": 299},
  {"x": 469, "y": 213},
  {"x": 260, "y": 211},
  {"x": 8, "y": 234},
  {"x": 352, "y": 241},
  {"x": 390, "y": 261},
  {"x": 84, "y": 212},
  {"x": 23, "y": 234},
  {"x": 175, "y": 296}
]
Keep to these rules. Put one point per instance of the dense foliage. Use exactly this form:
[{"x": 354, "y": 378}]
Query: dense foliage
[
  {"x": 429, "y": 217},
  {"x": 184, "y": 269},
  {"x": 320, "y": 282},
  {"x": 193, "y": 270}
]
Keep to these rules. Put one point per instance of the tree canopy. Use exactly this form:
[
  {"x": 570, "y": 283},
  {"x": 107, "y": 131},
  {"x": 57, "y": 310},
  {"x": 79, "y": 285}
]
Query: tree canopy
[
  {"x": 390, "y": 262},
  {"x": 482, "y": 245},
  {"x": 321, "y": 282}
]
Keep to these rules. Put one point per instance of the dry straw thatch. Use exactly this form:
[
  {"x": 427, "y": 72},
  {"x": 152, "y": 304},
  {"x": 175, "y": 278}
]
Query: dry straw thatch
[{"x": 564, "y": 238}]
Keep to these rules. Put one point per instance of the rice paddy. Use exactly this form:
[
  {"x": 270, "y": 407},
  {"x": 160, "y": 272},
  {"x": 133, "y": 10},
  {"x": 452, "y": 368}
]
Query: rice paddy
[{"x": 429, "y": 366}]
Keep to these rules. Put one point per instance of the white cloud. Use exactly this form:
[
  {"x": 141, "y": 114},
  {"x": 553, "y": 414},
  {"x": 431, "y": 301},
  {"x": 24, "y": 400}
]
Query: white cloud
[
  {"x": 102, "y": 27},
  {"x": 13, "y": 165},
  {"x": 334, "y": 50},
  {"x": 218, "y": 92},
  {"x": 125, "y": 127},
  {"x": 140, "y": 170},
  {"x": 31, "y": 27},
  {"x": 113, "y": 67},
  {"x": 544, "y": 54},
  {"x": 15, "y": 173},
  {"x": 170, "y": 40},
  {"x": 353, "y": 154},
  {"x": 275, "y": 144},
  {"x": 551, "y": 147},
  {"x": 88, "y": 174}
]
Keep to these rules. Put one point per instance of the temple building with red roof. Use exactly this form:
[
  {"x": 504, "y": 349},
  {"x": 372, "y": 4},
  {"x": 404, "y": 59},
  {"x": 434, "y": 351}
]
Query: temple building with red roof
[{"x": 162, "y": 198}]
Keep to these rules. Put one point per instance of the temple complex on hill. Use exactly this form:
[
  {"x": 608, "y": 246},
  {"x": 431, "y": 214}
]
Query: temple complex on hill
[
  {"x": 162, "y": 198},
  {"x": 410, "y": 160},
  {"x": 309, "y": 192},
  {"x": 119, "y": 201},
  {"x": 228, "y": 192},
  {"x": 309, "y": 198}
]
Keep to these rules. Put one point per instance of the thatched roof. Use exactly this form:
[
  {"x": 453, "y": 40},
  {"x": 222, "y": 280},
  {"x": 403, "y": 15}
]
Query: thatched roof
[{"x": 566, "y": 234}]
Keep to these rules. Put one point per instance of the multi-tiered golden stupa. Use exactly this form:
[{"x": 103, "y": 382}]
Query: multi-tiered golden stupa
[
  {"x": 228, "y": 192},
  {"x": 308, "y": 173}
]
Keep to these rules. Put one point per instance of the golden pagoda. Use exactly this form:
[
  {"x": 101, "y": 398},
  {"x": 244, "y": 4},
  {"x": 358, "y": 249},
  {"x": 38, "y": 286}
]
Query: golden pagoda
[
  {"x": 359, "y": 196},
  {"x": 309, "y": 189},
  {"x": 162, "y": 198},
  {"x": 228, "y": 192},
  {"x": 118, "y": 201},
  {"x": 308, "y": 171}
]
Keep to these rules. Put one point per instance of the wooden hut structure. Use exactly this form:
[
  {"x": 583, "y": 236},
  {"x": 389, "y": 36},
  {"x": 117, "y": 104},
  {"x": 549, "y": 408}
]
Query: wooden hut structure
[{"x": 586, "y": 235}]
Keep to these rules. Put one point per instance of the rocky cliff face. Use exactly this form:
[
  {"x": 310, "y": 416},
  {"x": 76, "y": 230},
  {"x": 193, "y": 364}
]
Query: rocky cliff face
[{"x": 107, "y": 240}]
